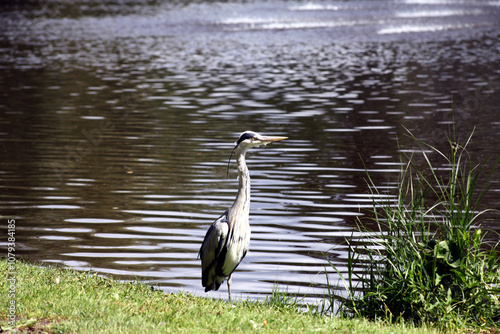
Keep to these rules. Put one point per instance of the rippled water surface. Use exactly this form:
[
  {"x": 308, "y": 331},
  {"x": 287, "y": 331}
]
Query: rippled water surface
[{"x": 118, "y": 120}]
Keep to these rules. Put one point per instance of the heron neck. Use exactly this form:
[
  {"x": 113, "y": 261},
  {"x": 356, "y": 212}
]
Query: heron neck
[{"x": 241, "y": 204}]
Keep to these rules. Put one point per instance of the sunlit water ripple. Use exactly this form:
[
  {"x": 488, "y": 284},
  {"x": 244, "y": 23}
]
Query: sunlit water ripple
[{"x": 118, "y": 122}]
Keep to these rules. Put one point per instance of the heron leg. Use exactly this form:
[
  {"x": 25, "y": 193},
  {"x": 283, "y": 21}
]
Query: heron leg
[{"x": 229, "y": 287}]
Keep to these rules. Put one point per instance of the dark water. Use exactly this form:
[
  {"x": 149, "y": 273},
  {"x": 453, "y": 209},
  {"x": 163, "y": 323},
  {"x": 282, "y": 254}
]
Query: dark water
[{"x": 118, "y": 120}]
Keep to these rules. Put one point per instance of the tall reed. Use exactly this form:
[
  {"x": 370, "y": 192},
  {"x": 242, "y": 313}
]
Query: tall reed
[{"x": 429, "y": 261}]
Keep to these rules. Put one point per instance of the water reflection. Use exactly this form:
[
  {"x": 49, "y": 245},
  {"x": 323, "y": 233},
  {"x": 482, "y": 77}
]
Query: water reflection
[{"x": 118, "y": 122}]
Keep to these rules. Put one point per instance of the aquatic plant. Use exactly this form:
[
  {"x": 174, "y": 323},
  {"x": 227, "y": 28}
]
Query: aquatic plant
[{"x": 429, "y": 261}]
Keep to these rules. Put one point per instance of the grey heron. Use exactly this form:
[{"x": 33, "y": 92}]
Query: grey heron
[{"x": 228, "y": 238}]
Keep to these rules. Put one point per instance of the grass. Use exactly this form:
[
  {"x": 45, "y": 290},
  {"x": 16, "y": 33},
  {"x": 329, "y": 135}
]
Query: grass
[
  {"x": 54, "y": 300},
  {"x": 428, "y": 261}
]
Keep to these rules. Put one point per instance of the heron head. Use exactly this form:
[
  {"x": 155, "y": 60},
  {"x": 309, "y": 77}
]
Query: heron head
[{"x": 249, "y": 139}]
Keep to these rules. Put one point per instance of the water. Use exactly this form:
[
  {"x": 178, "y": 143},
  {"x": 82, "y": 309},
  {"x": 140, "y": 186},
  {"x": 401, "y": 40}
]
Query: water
[{"x": 118, "y": 120}]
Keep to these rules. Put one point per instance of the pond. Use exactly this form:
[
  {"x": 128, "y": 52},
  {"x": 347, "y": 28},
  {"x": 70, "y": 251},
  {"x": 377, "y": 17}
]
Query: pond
[{"x": 118, "y": 120}]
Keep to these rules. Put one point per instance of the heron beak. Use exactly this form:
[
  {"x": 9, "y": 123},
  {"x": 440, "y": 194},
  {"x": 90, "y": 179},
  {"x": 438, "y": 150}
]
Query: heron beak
[{"x": 269, "y": 139}]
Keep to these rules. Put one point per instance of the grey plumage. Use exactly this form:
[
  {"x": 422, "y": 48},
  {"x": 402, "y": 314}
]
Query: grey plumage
[{"x": 228, "y": 238}]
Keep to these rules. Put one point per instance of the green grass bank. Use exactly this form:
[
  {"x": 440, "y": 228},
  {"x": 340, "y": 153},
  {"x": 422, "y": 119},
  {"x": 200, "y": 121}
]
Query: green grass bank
[{"x": 54, "y": 300}]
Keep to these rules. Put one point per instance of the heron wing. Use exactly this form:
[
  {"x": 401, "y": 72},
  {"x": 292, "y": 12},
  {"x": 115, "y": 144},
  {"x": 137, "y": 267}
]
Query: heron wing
[{"x": 212, "y": 247}]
